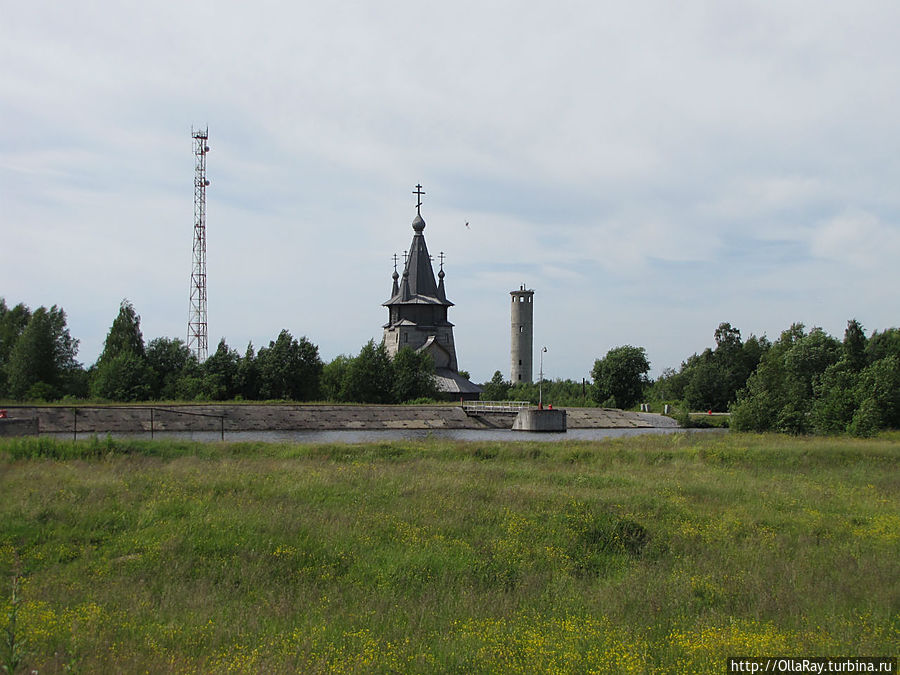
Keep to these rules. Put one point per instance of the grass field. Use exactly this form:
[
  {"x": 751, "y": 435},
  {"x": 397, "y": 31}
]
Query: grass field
[{"x": 659, "y": 553}]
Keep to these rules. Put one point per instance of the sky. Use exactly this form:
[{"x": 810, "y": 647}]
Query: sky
[{"x": 650, "y": 169}]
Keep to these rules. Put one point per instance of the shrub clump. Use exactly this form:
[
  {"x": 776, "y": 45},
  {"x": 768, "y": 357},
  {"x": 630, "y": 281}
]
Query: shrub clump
[{"x": 597, "y": 538}]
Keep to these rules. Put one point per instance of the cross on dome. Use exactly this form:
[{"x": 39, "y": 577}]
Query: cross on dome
[{"x": 419, "y": 192}]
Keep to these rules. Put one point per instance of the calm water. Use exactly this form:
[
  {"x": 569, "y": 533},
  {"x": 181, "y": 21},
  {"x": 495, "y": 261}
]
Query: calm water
[{"x": 362, "y": 436}]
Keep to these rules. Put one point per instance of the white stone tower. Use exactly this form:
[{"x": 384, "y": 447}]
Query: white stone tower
[{"x": 521, "y": 335}]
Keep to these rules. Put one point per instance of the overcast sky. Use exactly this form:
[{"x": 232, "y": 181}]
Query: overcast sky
[{"x": 650, "y": 169}]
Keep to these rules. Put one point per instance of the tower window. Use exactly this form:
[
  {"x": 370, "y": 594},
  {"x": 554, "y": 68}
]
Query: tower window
[
  {"x": 520, "y": 362},
  {"x": 521, "y": 329},
  {"x": 520, "y": 376}
]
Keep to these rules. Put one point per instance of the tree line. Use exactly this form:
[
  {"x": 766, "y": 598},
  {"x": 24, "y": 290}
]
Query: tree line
[
  {"x": 805, "y": 382},
  {"x": 809, "y": 381},
  {"x": 38, "y": 363}
]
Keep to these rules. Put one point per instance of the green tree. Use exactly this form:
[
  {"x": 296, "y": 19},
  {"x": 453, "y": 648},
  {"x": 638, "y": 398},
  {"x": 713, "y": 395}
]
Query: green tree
[
  {"x": 837, "y": 393},
  {"x": 854, "y": 346},
  {"x": 728, "y": 338},
  {"x": 495, "y": 390},
  {"x": 760, "y": 404},
  {"x": 878, "y": 395},
  {"x": 123, "y": 377},
  {"x": 808, "y": 359},
  {"x": 42, "y": 361},
  {"x": 220, "y": 373},
  {"x": 620, "y": 377},
  {"x": 882, "y": 345},
  {"x": 525, "y": 391},
  {"x": 733, "y": 362},
  {"x": 779, "y": 396},
  {"x": 558, "y": 393},
  {"x": 248, "y": 375},
  {"x": 669, "y": 386},
  {"x": 122, "y": 372},
  {"x": 333, "y": 375},
  {"x": 709, "y": 385},
  {"x": 835, "y": 401},
  {"x": 12, "y": 325},
  {"x": 753, "y": 349},
  {"x": 413, "y": 376},
  {"x": 370, "y": 376},
  {"x": 289, "y": 369},
  {"x": 712, "y": 379},
  {"x": 125, "y": 334},
  {"x": 170, "y": 361}
]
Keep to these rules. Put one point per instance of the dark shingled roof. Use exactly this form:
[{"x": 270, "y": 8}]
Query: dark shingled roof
[
  {"x": 417, "y": 285},
  {"x": 450, "y": 382}
]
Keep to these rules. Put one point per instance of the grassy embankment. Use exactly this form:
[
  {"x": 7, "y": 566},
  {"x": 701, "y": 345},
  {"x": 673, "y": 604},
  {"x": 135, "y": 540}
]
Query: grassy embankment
[{"x": 651, "y": 554}]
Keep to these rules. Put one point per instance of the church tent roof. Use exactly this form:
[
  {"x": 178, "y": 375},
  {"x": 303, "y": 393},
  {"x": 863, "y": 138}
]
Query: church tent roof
[{"x": 418, "y": 285}]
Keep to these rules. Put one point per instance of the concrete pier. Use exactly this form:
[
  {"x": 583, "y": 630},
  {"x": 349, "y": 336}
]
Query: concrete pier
[{"x": 535, "y": 419}]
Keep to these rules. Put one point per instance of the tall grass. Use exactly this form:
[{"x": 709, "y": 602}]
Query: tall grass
[{"x": 651, "y": 554}]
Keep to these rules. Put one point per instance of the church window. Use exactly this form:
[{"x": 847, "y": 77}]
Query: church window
[
  {"x": 520, "y": 376},
  {"x": 521, "y": 329}
]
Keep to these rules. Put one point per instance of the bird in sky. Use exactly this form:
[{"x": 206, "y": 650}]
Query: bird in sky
[{"x": 467, "y": 225}]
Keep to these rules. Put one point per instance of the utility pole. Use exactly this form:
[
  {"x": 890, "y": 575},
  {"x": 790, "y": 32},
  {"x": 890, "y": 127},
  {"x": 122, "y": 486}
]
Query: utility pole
[{"x": 541, "y": 381}]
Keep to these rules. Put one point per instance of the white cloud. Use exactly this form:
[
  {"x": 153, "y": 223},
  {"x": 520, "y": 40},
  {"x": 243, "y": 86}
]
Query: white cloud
[
  {"x": 857, "y": 238},
  {"x": 651, "y": 169}
]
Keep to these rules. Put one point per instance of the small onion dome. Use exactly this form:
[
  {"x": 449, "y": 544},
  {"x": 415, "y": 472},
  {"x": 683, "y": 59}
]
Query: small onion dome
[
  {"x": 395, "y": 276},
  {"x": 441, "y": 274},
  {"x": 418, "y": 224}
]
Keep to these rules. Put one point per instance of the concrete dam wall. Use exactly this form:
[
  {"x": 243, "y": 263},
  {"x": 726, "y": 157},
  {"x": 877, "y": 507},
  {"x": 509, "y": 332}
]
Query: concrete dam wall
[{"x": 239, "y": 417}]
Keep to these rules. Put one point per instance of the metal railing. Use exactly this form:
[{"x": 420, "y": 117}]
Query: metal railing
[{"x": 488, "y": 407}]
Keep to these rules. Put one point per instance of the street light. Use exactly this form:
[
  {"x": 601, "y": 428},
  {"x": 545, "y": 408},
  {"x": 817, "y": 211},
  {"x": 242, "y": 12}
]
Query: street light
[{"x": 541, "y": 381}]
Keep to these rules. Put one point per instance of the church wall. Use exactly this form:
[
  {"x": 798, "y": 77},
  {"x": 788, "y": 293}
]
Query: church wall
[{"x": 414, "y": 337}]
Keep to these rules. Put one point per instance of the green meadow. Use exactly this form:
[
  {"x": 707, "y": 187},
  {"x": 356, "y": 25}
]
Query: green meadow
[{"x": 653, "y": 554}]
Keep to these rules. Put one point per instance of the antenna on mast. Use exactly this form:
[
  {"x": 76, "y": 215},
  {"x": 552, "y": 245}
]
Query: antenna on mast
[{"x": 197, "y": 328}]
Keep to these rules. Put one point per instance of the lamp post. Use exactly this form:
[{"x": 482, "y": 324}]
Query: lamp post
[{"x": 541, "y": 381}]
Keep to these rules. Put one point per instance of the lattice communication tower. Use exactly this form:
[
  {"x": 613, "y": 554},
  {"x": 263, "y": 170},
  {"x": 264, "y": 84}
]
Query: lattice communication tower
[{"x": 197, "y": 335}]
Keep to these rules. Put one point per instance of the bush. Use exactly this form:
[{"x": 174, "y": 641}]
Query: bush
[{"x": 596, "y": 537}]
